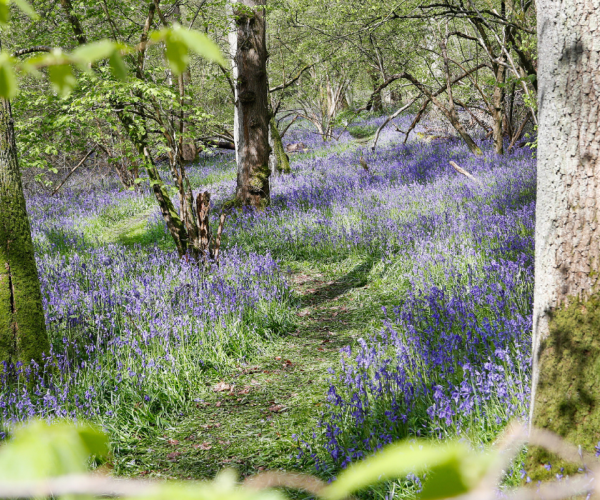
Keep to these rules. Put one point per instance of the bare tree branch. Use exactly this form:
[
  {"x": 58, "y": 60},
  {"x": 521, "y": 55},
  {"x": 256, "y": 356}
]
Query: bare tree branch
[{"x": 31, "y": 50}]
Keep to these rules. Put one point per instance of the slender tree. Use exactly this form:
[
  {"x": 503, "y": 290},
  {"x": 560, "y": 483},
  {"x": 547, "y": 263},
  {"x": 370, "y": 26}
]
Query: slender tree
[
  {"x": 247, "y": 40},
  {"x": 22, "y": 327},
  {"x": 566, "y": 321}
]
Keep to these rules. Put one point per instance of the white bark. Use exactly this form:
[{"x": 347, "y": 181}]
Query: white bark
[{"x": 567, "y": 233}]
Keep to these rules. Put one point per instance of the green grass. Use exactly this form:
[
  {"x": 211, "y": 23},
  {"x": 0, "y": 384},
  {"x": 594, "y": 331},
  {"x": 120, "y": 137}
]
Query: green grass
[
  {"x": 338, "y": 300},
  {"x": 279, "y": 387},
  {"x": 362, "y": 131},
  {"x": 252, "y": 431}
]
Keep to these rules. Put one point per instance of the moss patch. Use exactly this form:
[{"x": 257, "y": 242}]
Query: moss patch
[{"x": 567, "y": 399}]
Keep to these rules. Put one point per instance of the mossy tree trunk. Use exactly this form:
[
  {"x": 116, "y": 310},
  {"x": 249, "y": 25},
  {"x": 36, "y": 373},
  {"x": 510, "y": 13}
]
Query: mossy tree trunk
[
  {"x": 22, "y": 327},
  {"x": 566, "y": 320},
  {"x": 251, "y": 120},
  {"x": 279, "y": 161}
]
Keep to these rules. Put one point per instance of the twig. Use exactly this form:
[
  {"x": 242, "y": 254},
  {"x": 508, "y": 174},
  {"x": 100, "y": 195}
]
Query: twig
[
  {"x": 288, "y": 126},
  {"x": 519, "y": 132},
  {"x": 461, "y": 170},
  {"x": 272, "y": 479},
  {"x": 560, "y": 447},
  {"x": 77, "y": 485},
  {"x": 73, "y": 170},
  {"x": 508, "y": 446},
  {"x": 388, "y": 120}
]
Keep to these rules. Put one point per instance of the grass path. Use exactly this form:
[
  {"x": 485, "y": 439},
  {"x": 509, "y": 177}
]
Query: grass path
[{"x": 247, "y": 420}]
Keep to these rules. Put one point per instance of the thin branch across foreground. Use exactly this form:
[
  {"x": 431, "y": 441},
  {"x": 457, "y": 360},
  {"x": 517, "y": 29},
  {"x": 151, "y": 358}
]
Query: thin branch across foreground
[{"x": 507, "y": 447}]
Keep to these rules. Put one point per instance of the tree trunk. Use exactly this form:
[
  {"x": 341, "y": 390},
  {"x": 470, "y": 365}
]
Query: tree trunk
[
  {"x": 251, "y": 121},
  {"x": 139, "y": 138},
  {"x": 566, "y": 317},
  {"x": 497, "y": 109},
  {"x": 377, "y": 105},
  {"x": 279, "y": 161},
  {"x": 22, "y": 327}
]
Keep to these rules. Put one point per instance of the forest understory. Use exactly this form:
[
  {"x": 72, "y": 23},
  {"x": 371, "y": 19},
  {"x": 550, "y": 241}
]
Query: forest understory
[{"x": 365, "y": 305}]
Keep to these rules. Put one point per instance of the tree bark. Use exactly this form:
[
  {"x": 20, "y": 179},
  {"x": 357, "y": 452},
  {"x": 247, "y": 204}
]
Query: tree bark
[
  {"x": 376, "y": 102},
  {"x": 22, "y": 326},
  {"x": 566, "y": 317},
  {"x": 449, "y": 112},
  {"x": 279, "y": 161},
  {"x": 251, "y": 121},
  {"x": 497, "y": 108},
  {"x": 74, "y": 21}
]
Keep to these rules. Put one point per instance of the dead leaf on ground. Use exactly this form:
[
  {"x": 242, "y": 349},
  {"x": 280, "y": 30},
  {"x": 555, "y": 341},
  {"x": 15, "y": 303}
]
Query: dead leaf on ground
[
  {"x": 303, "y": 313},
  {"x": 203, "y": 446},
  {"x": 251, "y": 369},
  {"x": 218, "y": 405},
  {"x": 276, "y": 408},
  {"x": 222, "y": 386},
  {"x": 172, "y": 457}
]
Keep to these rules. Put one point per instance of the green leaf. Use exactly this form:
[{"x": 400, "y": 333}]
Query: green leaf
[
  {"x": 177, "y": 54},
  {"x": 117, "y": 66},
  {"x": 26, "y": 8},
  {"x": 452, "y": 469},
  {"x": 92, "y": 52},
  {"x": 8, "y": 80},
  {"x": 180, "y": 41},
  {"x": 40, "y": 450},
  {"x": 62, "y": 79},
  {"x": 201, "y": 45},
  {"x": 4, "y": 13},
  {"x": 94, "y": 440}
]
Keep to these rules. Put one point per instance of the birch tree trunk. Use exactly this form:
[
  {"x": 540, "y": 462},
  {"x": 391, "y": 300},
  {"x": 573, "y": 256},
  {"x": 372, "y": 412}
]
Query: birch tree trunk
[
  {"x": 566, "y": 320},
  {"x": 251, "y": 121},
  {"x": 22, "y": 327}
]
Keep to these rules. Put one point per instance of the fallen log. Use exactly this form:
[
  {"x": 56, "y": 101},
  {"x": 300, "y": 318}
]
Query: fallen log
[{"x": 461, "y": 170}]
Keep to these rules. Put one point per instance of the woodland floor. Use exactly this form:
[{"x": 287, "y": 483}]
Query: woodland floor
[
  {"x": 249, "y": 418},
  {"x": 249, "y": 414}
]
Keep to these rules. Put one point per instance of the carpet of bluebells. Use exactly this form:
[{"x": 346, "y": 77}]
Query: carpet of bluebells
[
  {"x": 134, "y": 329},
  {"x": 453, "y": 355}
]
